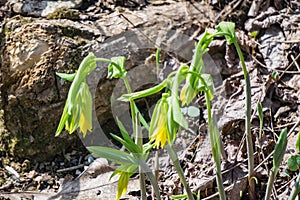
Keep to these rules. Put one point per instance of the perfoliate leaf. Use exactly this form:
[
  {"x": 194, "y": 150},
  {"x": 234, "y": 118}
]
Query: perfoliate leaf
[
  {"x": 229, "y": 29},
  {"x": 118, "y": 70},
  {"x": 144, "y": 93},
  {"x": 68, "y": 77},
  {"x": 191, "y": 87},
  {"x": 113, "y": 155},
  {"x": 176, "y": 110},
  {"x": 206, "y": 82},
  {"x": 132, "y": 147},
  {"x": 279, "y": 150},
  {"x": 188, "y": 93},
  {"x": 129, "y": 145},
  {"x": 141, "y": 118}
]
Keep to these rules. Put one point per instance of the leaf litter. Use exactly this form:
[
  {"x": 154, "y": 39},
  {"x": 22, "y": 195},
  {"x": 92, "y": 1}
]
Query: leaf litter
[{"x": 276, "y": 49}]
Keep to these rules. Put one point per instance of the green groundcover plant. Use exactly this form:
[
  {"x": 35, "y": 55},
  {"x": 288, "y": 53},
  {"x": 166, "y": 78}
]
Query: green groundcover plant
[{"x": 166, "y": 120}]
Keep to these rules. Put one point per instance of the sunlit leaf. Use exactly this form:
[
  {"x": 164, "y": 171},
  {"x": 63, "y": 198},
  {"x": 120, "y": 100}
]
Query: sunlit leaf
[
  {"x": 113, "y": 155},
  {"x": 298, "y": 142},
  {"x": 144, "y": 93},
  {"x": 279, "y": 150},
  {"x": 292, "y": 162},
  {"x": 254, "y": 34},
  {"x": 117, "y": 68},
  {"x": 229, "y": 29},
  {"x": 175, "y": 106},
  {"x": 68, "y": 77}
]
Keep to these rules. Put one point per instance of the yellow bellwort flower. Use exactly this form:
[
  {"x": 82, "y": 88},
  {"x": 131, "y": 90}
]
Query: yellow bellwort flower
[
  {"x": 77, "y": 112},
  {"x": 159, "y": 131}
]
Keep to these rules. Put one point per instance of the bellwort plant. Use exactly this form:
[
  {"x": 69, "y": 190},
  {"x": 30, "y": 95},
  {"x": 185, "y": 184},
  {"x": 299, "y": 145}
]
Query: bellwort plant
[
  {"x": 78, "y": 114},
  {"x": 167, "y": 117}
]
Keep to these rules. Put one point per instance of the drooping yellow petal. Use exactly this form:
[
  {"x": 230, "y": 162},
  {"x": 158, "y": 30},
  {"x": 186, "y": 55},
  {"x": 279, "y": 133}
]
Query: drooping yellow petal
[
  {"x": 161, "y": 132},
  {"x": 160, "y": 138},
  {"x": 84, "y": 124}
]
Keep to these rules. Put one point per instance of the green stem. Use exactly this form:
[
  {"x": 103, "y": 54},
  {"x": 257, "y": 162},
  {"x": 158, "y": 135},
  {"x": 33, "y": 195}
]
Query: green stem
[
  {"x": 217, "y": 151},
  {"x": 142, "y": 184},
  {"x": 247, "y": 122},
  {"x": 179, "y": 170},
  {"x": 296, "y": 189},
  {"x": 145, "y": 169},
  {"x": 270, "y": 185},
  {"x": 138, "y": 138}
]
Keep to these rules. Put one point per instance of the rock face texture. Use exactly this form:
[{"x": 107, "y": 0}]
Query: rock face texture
[
  {"x": 34, "y": 49},
  {"x": 31, "y": 92}
]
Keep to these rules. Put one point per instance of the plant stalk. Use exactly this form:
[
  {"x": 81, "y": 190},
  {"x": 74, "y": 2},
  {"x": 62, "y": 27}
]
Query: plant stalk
[
  {"x": 179, "y": 170},
  {"x": 146, "y": 169},
  {"x": 270, "y": 185},
  {"x": 296, "y": 189},
  {"x": 216, "y": 158},
  {"x": 137, "y": 137},
  {"x": 252, "y": 194}
]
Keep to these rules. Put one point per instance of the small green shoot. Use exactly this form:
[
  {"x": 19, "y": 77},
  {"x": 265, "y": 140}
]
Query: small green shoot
[
  {"x": 294, "y": 162},
  {"x": 277, "y": 159}
]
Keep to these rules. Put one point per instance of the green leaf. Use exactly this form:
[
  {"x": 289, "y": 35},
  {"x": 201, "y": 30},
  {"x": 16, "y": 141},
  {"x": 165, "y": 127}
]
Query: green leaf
[
  {"x": 147, "y": 147},
  {"x": 155, "y": 118},
  {"x": 260, "y": 111},
  {"x": 254, "y": 34},
  {"x": 206, "y": 84},
  {"x": 228, "y": 28},
  {"x": 117, "y": 69},
  {"x": 125, "y": 172},
  {"x": 122, "y": 184},
  {"x": 176, "y": 110},
  {"x": 275, "y": 75},
  {"x": 64, "y": 117},
  {"x": 144, "y": 93},
  {"x": 141, "y": 118},
  {"x": 68, "y": 77},
  {"x": 157, "y": 56},
  {"x": 298, "y": 142},
  {"x": 127, "y": 138},
  {"x": 279, "y": 150},
  {"x": 113, "y": 155},
  {"x": 292, "y": 163},
  {"x": 130, "y": 146},
  {"x": 179, "y": 196},
  {"x": 216, "y": 142}
]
